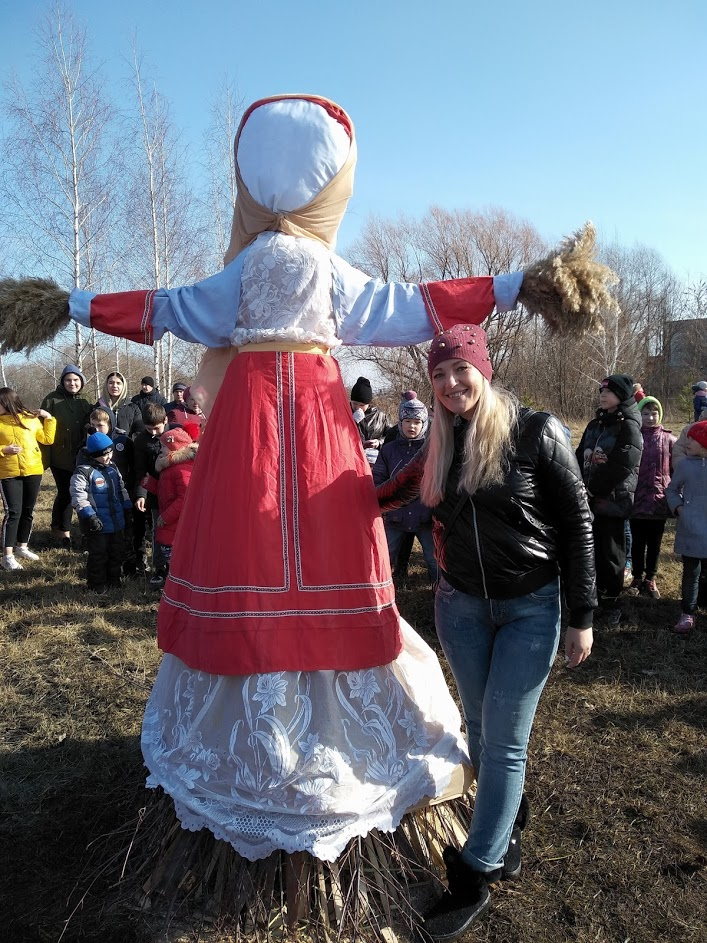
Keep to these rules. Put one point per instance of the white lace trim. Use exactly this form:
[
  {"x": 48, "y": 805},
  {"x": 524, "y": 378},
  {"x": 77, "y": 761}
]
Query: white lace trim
[
  {"x": 302, "y": 761},
  {"x": 286, "y": 293}
]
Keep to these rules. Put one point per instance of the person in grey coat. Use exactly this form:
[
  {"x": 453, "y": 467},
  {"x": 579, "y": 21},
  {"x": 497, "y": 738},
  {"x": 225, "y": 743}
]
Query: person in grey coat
[{"x": 687, "y": 499}]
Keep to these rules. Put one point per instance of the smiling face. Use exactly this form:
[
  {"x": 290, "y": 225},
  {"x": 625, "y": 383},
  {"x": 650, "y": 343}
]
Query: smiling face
[
  {"x": 650, "y": 417},
  {"x": 104, "y": 459},
  {"x": 457, "y": 385},
  {"x": 71, "y": 383}
]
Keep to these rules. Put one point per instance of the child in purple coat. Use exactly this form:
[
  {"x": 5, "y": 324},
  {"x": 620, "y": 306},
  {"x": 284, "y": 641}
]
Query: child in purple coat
[{"x": 650, "y": 508}]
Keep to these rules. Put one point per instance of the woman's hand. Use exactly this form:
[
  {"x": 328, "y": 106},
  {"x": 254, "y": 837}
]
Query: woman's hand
[
  {"x": 578, "y": 646},
  {"x": 43, "y": 414},
  {"x": 11, "y": 449}
]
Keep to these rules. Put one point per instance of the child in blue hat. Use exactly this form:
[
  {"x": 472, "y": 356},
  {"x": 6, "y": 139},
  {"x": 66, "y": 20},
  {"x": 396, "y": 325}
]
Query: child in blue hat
[{"x": 99, "y": 497}]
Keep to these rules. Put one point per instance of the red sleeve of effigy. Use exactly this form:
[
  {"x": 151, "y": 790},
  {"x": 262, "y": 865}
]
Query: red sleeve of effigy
[
  {"x": 125, "y": 314},
  {"x": 458, "y": 301}
]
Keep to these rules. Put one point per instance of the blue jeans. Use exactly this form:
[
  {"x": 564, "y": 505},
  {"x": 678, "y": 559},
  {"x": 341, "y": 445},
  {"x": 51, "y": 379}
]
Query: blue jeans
[
  {"x": 500, "y": 652},
  {"x": 395, "y": 535}
]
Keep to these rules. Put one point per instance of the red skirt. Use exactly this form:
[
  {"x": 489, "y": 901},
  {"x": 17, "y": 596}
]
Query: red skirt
[{"x": 280, "y": 561}]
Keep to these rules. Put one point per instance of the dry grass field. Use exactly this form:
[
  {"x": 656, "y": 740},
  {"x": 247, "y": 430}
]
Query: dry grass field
[{"x": 617, "y": 847}]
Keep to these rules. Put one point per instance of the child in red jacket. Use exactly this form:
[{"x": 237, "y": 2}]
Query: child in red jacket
[{"x": 175, "y": 464}]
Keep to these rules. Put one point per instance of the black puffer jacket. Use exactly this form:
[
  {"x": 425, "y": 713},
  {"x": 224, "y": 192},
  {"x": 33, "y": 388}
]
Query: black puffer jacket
[
  {"x": 127, "y": 417},
  {"x": 511, "y": 539},
  {"x": 609, "y": 455},
  {"x": 142, "y": 399}
]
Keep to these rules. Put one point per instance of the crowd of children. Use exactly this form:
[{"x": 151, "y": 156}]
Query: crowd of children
[
  {"x": 109, "y": 460},
  {"x": 123, "y": 487},
  {"x": 126, "y": 485}
]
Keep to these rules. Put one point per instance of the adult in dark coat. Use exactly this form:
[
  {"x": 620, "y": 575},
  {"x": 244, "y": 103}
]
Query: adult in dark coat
[
  {"x": 70, "y": 409},
  {"x": 373, "y": 426},
  {"x": 179, "y": 393},
  {"x": 125, "y": 415},
  {"x": 609, "y": 454},
  {"x": 148, "y": 394},
  {"x": 188, "y": 411}
]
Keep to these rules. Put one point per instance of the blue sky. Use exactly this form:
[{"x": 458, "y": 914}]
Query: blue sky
[{"x": 556, "y": 111}]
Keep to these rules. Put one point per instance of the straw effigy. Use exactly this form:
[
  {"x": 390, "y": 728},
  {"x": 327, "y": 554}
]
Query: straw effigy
[{"x": 376, "y": 889}]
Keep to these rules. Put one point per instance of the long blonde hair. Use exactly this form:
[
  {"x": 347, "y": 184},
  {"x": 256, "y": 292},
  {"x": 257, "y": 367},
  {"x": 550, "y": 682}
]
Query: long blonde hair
[{"x": 486, "y": 445}]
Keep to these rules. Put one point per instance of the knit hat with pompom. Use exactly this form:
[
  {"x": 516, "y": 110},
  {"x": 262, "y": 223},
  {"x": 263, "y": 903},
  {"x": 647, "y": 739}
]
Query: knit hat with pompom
[
  {"x": 412, "y": 408},
  {"x": 180, "y": 436}
]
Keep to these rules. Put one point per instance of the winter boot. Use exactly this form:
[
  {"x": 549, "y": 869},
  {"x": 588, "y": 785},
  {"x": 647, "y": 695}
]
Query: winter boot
[
  {"x": 512, "y": 860},
  {"x": 466, "y": 900}
]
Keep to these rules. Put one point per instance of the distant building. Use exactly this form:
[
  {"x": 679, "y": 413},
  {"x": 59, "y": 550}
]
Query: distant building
[{"x": 682, "y": 360}]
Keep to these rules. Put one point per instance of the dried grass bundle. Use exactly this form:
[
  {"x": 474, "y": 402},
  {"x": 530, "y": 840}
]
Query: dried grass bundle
[
  {"x": 374, "y": 891},
  {"x": 32, "y": 312},
  {"x": 569, "y": 289}
]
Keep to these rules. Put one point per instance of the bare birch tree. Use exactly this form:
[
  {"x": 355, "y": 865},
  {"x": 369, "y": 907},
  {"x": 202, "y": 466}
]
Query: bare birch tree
[
  {"x": 561, "y": 373},
  {"x": 161, "y": 208},
  {"x": 441, "y": 245},
  {"x": 56, "y": 159},
  {"x": 226, "y": 112}
]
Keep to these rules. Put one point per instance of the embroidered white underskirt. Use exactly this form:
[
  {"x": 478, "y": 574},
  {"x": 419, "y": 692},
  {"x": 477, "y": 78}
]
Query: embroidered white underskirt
[{"x": 302, "y": 761}]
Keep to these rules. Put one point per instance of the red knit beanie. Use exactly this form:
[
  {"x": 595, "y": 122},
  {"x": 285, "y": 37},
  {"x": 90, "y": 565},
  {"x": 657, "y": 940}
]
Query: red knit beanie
[
  {"x": 180, "y": 436},
  {"x": 461, "y": 342},
  {"x": 698, "y": 432}
]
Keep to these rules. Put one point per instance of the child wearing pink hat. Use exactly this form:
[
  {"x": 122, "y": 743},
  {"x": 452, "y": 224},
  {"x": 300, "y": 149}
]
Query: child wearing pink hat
[{"x": 174, "y": 465}]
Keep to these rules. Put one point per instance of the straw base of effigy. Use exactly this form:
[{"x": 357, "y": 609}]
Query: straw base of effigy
[{"x": 375, "y": 890}]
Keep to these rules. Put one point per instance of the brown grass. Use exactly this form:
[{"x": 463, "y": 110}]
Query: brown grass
[{"x": 616, "y": 849}]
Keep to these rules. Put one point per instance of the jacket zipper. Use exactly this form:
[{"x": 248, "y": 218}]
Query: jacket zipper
[{"x": 478, "y": 548}]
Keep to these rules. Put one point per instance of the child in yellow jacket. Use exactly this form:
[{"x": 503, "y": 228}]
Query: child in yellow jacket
[{"x": 21, "y": 470}]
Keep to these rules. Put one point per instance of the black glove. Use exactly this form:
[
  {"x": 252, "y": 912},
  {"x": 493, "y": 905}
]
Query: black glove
[{"x": 94, "y": 524}]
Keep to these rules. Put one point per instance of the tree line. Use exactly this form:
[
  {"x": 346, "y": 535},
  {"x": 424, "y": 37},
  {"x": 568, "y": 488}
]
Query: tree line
[
  {"x": 657, "y": 334},
  {"x": 99, "y": 195}
]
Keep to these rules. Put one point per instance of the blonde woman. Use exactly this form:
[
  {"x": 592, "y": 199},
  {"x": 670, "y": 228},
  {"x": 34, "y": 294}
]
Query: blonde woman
[
  {"x": 510, "y": 517},
  {"x": 21, "y": 470}
]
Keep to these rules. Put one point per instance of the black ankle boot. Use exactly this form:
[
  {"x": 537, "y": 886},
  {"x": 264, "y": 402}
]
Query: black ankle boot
[
  {"x": 512, "y": 861},
  {"x": 466, "y": 900}
]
